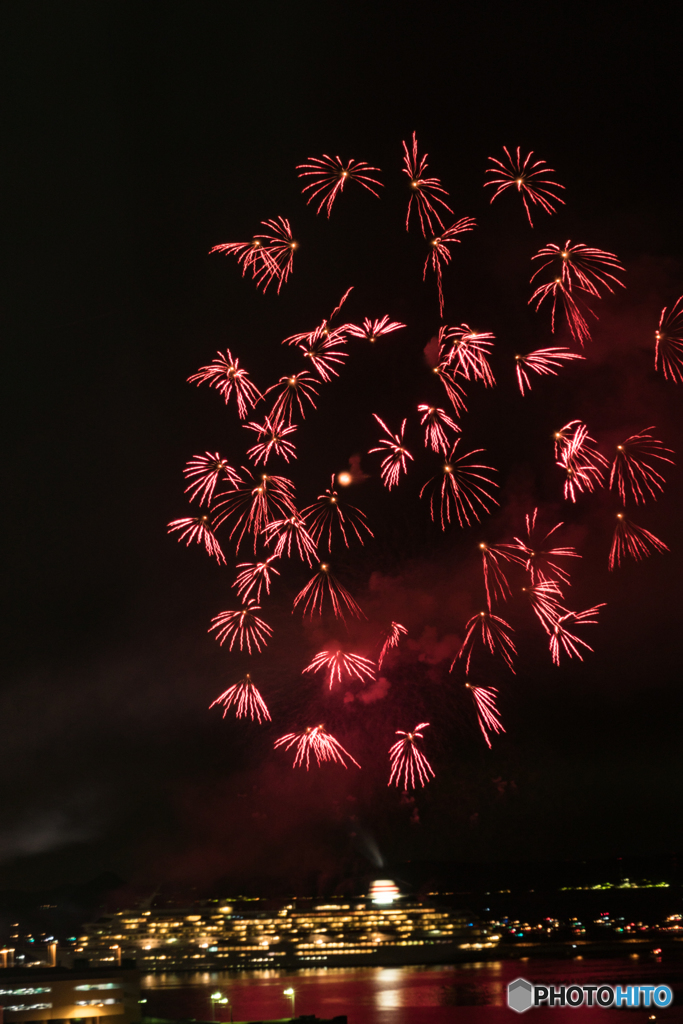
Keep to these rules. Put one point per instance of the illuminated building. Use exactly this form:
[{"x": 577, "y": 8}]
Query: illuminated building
[{"x": 58, "y": 994}]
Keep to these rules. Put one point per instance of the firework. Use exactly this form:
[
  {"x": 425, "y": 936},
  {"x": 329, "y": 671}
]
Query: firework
[
  {"x": 440, "y": 254},
  {"x": 528, "y": 178},
  {"x": 204, "y": 472},
  {"x": 271, "y": 441},
  {"x": 328, "y": 512},
  {"x": 630, "y": 470},
  {"x": 460, "y": 490},
  {"x": 669, "y": 342},
  {"x": 315, "y": 741},
  {"x": 493, "y": 632},
  {"x": 631, "y": 541},
  {"x": 538, "y": 559},
  {"x": 254, "y": 576},
  {"x": 487, "y": 713},
  {"x": 468, "y": 351},
  {"x": 582, "y": 462},
  {"x": 269, "y": 255},
  {"x": 392, "y": 638},
  {"x": 396, "y": 455},
  {"x": 434, "y": 420},
  {"x": 338, "y": 665},
  {"x": 243, "y": 626},
  {"x": 546, "y": 602},
  {"x": 373, "y": 329},
  {"x": 291, "y": 391},
  {"x": 255, "y": 502},
  {"x": 324, "y": 347},
  {"x": 562, "y": 296},
  {"x": 225, "y": 376},
  {"x": 246, "y": 699},
  {"x": 423, "y": 190},
  {"x": 562, "y": 640},
  {"x": 544, "y": 361},
  {"x": 198, "y": 529},
  {"x": 495, "y": 580},
  {"x": 455, "y": 391},
  {"x": 330, "y": 176},
  {"x": 581, "y": 267},
  {"x": 291, "y": 529},
  {"x": 323, "y": 585},
  {"x": 408, "y": 763}
]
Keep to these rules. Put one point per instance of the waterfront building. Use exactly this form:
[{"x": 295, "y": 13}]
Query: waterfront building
[{"x": 58, "y": 994}]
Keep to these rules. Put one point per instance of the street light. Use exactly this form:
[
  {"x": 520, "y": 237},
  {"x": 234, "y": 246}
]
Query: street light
[
  {"x": 214, "y": 997},
  {"x": 292, "y": 996}
]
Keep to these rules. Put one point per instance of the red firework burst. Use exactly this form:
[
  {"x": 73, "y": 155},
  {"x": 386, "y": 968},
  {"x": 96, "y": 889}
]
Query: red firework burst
[
  {"x": 468, "y": 352},
  {"x": 246, "y": 700},
  {"x": 423, "y": 190},
  {"x": 291, "y": 391},
  {"x": 392, "y": 638},
  {"x": 546, "y": 602},
  {"x": 373, "y": 329},
  {"x": 254, "y": 576},
  {"x": 440, "y": 254},
  {"x": 271, "y": 441},
  {"x": 255, "y": 502},
  {"x": 408, "y": 763},
  {"x": 339, "y": 665},
  {"x": 544, "y": 361},
  {"x": 488, "y": 715},
  {"x": 269, "y": 255},
  {"x": 291, "y": 529},
  {"x": 561, "y": 296},
  {"x": 583, "y": 464},
  {"x": 669, "y": 342},
  {"x": 495, "y": 580},
  {"x": 198, "y": 530},
  {"x": 330, "y": 175},
  {"x": 434, "y": 420},
  {"x": 243, "y": 626},
  {"x": 530, "y": 180},
  {"x": 204, "y": 472},
  {"x": 328, "y": 512},
  {"x": 325, "y": 347},
  {"x": 631, "y": 472},
  {"x": 581, "y": 267},
  {"x": 225, "y": 376},
  {"x": 396, "y": 455},
  {"x": 314, "y": 741},
  {"x": 562, "y": 640},
  {"x": 631, "y": 541},
  {"x": 538, "y": 559},
  {"x": 454, "y": 390},
  {"x": 461, "y": 489},
  {"x": 325, "y": 585},
  {"x": 493, "y": 632}
]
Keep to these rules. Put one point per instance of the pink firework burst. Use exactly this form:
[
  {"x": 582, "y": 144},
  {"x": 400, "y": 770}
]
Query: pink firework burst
[
  {"x": 392, "y": 638},
  {"x": 462, "y": 489},
  {"x": 560, "y": 295},
  {"x": 325, "y": 347},
  {"x": 224, "y": 374},
  {"x": 243, "y": 626},
  {"x": 288, "y": 531},
  {"x": 396, "y": 454},
  {"x": 631, "y": 471},
  {"x": 488, "y": 715},
  {"x": 198, "y": 530},
  {"x": 330, "y": 175},
  {"x": 544, "y": 361},
  {"x": 454, "y": 390},
  {"x": 254, "y": 577},
  {"x": 269, "y": 255},
  {"x": 495, "y": 580},
  {"x": 409, "y": 766},
  {"x": 324, "y": 585},
  {"x": 253, "y": 503},
  {"x": 271, "y": 441},
  {"x": 328, "y": 514},
  {"x": 468, "y": 352},
  {"x": 582, "y": 463},
  {"x": 204, "y": 473},
  {"x": 539, "y": 559},
  {"x": 440, "y": 254},
  {"x": 582, "y": 267},
  {"x": 562, "y": 640},
  {"x": 530, "y": 179},
  {"x": 631, "y": 541},
  {"x": 425, "y": 192},
  {"x": 246, "y": 700},
  {"x": 434, "y": 420},
  {"x": 545, "y": 599},
  {"x": 373, "y": 329},
  {"x": 314, "y": 741},
  {"x": 491, "y": 631},
  {"x": 291, "y": 391},
  {"x": 669, "y": 342},
  {"x": 339, "y": 666}
]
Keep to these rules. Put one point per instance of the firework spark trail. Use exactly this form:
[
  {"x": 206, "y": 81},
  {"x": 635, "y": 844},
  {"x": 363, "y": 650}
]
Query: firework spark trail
[
  {"x": 327, "y": 512},
  {"x": 273, "y": 433},
  {"x": 669, "y": 342},
  {"x": 544, "y": 361},
  {"x": 322, "y": 585},
  {"x": 434, "y": 420},
  {"x": 460, "y": 490},
  {"x": 291, "y": 529},
  {"x": 493, "y": 632},
  {"x": 392, "y": 638},
  {"x": 537, "y": 558},
  {"x": 257, "y": 501},
  {"x": 204, "y": 472},
  {"x": 337, "y": 665},
  {"x": 270, "y": 254},
  {"x": 562, "y": 296},
  {"x": 246, "y": 699},
  {"x": 251, "y": 256},
  {"x": 396, "y": 455},
  {"x": 454, "y": 390},
  {"x": 562, "y": 640},
  {"x": 423, "y": 190},
  {"x": 408, "y": 763},
  {"x": 291, "y": 392},
  {"x": 546, "y": 603},
  {"x": 631, "y": 541},
  {"x": 440, "y": 254},
  {"x": 242, "y": 625},
  {"x": 469, "y": 352},
  {"x": 583, "y": 464},
  {"x": 198, "y": 530},
  {"x": 325, "y": 347},
  {"x": 630, "y": 470},
  {"x": 254, "y": 576},
  {"x": 528, "y": 178},
  {"x": 582, "y": 267},
  {"x": 315, "y": 741},
  {"x": 488, "y": 715},
  {"x": 330, "y": 175},
  {"x": 225, "y": 376},
  {"x": 373, "y": 329},
  {"x": 495, "y": 580}
]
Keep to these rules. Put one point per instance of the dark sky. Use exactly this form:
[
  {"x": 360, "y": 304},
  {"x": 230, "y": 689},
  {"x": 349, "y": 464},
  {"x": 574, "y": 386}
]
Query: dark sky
[{"x": 135, "y": 138}]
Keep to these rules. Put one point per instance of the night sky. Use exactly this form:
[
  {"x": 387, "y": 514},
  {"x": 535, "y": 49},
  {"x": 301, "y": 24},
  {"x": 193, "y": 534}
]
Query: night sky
[{"x": 137, "y": 136}]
